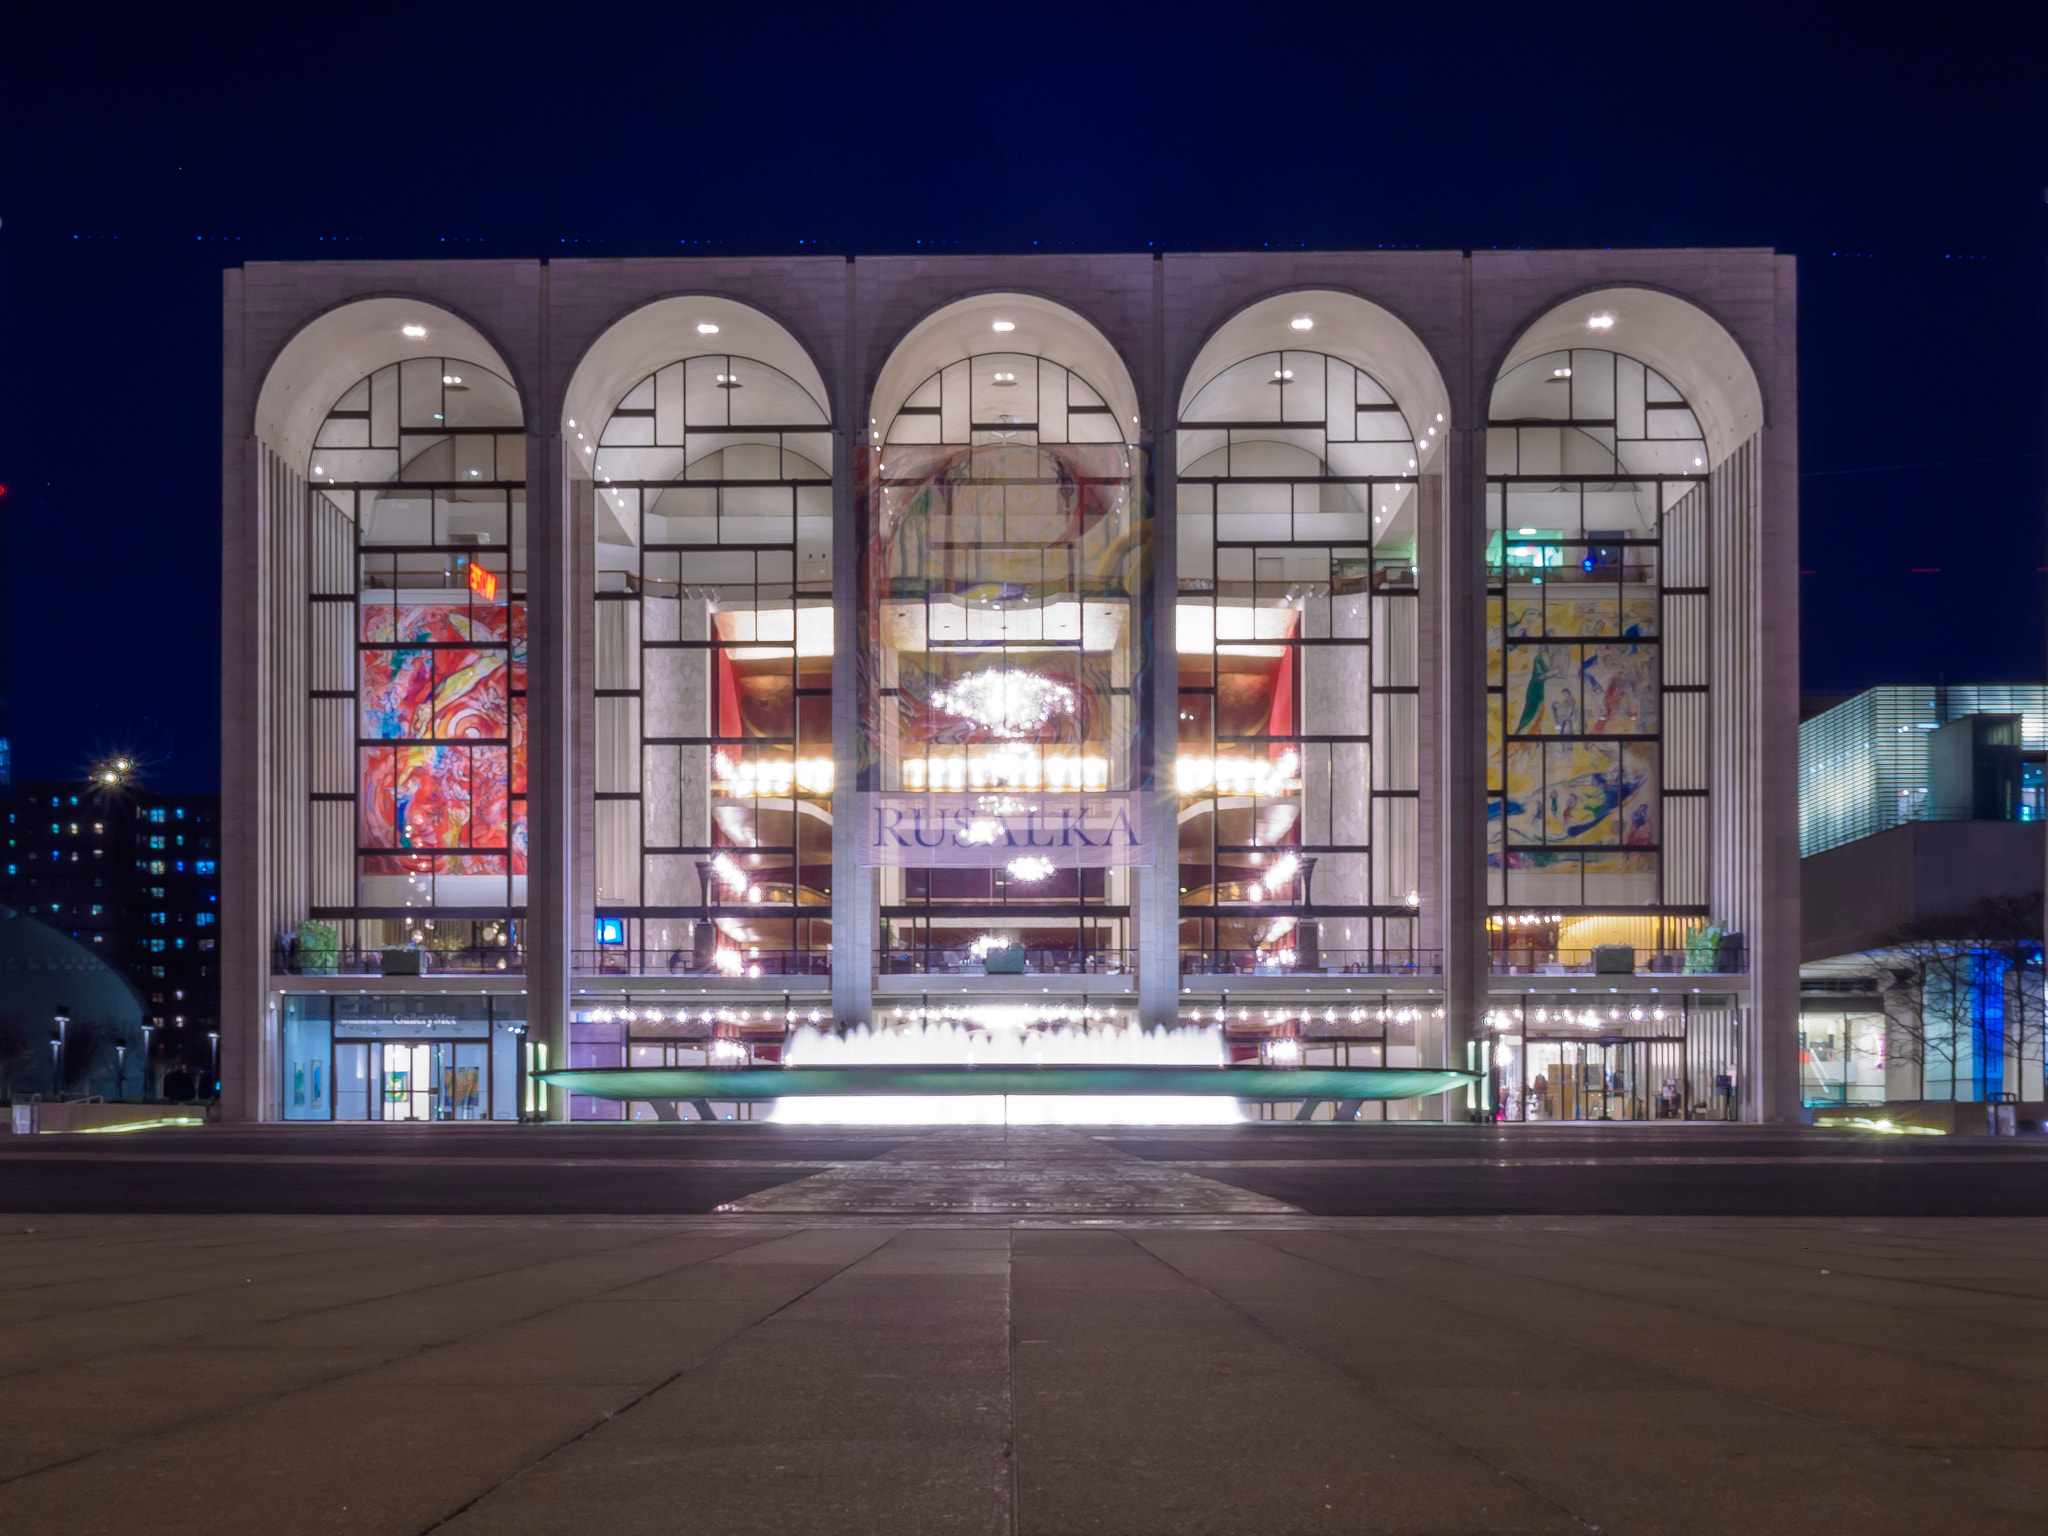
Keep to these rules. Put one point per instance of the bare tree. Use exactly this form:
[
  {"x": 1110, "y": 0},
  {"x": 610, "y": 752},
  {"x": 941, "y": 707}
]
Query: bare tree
[{"x": 1933, "y": 976}]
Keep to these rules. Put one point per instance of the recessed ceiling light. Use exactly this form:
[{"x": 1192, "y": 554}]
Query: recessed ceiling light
[
  {"x": 1560, "y": 373},
  {"x": 706, "y": 328},
  {"x": 1302, "y": 323},
  {"x": 451, "y": 378},
  {"x": 1004, "y": 325},
  {"x": 1006, "y": 378},
  {"x": 412, "y": 329},
  {"x": 1600, "y": 323},
  {"x": 1525, "y": 530},
  {"x": 1698, "y": 463}
]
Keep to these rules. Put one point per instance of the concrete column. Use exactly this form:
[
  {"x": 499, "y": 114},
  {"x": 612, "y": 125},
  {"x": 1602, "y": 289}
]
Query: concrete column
[
  {"x": 1453, "y": 519},
  {"x": 551, "y": 800},
  {"x": 1157, "y": 929},
  {"x": 1773, "y": 644},
  {"x": 855, "y": 932}
]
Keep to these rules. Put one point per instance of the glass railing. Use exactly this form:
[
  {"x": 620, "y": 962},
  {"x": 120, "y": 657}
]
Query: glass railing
[
  {"x": 1327, "y": 962},
  {"x": 1016, "y": 961},
  {"x": 491, "y": 960},
  {"x": 1724, "y": 960},
  {"x": 619, "y": 960}
]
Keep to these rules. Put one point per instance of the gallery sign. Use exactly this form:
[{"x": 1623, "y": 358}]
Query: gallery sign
[{"x": 990, "y": 829}]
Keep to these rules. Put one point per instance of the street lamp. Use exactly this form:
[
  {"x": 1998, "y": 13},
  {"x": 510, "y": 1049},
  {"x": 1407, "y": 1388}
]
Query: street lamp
[
  {"x": 213, "y": 1047},
  {"x": 62, "y": 1022},
  {"x": 145, "y": 1058},
  {"x": 120, "y": 1069}
]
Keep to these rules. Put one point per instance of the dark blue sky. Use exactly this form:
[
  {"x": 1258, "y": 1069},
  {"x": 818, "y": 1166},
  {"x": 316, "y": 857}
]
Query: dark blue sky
[{"x": 1901, "y": 153}]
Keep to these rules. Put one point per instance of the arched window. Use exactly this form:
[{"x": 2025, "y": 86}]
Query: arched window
[
  {"x": 1598, "y": 567},
  {"x": 1004, "y": 568},
  {"x": 713, "y": 625},
  {"x": 1297, "y": 632},
  {"x": 416, "y": 569}
]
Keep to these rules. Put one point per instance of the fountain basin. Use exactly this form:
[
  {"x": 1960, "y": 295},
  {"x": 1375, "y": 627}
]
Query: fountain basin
[{"x": 1254, "y": 1083}]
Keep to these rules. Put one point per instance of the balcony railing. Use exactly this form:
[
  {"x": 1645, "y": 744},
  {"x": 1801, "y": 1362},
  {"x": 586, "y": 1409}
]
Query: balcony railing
[
  {"x": 491, "y": 960},
  {"x": 1328, "y": 962},
  {"x": 1728, "y": 960},
  {"x": 1033, "y": 962},
  {"x": 619, "y": 960}
]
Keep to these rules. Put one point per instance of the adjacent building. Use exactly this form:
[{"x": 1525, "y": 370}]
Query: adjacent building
[
  {"x": 133, "y": 876},
  {"x": 1924, "y": 831},
  {"x": 1391, "y": 657}
]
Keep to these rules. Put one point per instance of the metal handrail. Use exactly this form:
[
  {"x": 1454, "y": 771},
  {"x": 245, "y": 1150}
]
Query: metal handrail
[
  {"x": 623, "y": 960},
  {"x": 1324, "y": 962}
]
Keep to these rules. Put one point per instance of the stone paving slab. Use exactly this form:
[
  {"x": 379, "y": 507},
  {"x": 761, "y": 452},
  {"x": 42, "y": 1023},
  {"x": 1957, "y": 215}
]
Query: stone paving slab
[
  {"x": 1015, "y": 1369},
  {"x": 1007, "y": 1171}
]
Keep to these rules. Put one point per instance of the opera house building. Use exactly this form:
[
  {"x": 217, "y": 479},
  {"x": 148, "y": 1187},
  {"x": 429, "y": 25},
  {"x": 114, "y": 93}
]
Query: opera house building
[{"x": 1246, "y": 664}]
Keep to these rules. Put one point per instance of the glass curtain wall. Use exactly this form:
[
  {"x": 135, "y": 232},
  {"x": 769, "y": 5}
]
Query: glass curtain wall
[
  {"x": 417, "y": 682},
  {"x": 1597, "y": 664},
  {"x": 1002, "y": 586},
  {"x": 714, "y": 673},
  {"x": 1296, "y": 632}
]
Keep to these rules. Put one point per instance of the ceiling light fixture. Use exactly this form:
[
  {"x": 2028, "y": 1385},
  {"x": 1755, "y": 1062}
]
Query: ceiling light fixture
[
  {"x": 451, "y": 378},
  {"x": 1004, "y": 325},
  {"x": 413, "y": 329},
  {"x": 1302, "y": 323},
  {"x": 1008, "y": 702},
  {"x": 706, "y": 328},
  {"x": 1560, "y": 373},
  {"x": 1600, "y": 323}
]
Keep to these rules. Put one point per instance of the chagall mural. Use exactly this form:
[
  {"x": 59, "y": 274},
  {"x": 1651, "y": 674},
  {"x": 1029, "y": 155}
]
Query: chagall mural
[
  {"x": 1568, "y": 672},
  {"x": 442, "y": 692}
]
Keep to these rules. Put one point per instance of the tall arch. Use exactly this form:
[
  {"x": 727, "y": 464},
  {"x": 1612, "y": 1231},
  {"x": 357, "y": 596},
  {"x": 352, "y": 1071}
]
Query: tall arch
[
  {"x": 1622, "y": 512},
  {"x": 1003, "y": 656},
  {"x": 1311, "y": 432},
  {"x": 393, "y": 444},
  {"x": 698, "y": 435}
]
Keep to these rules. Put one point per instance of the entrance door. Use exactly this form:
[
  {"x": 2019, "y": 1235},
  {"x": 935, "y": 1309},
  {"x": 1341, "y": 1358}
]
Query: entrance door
[{"x": 407, "y": 1080}]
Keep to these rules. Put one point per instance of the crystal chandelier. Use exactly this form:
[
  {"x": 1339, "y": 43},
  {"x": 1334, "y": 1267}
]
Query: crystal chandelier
[{"x": 1005, "y": 701}]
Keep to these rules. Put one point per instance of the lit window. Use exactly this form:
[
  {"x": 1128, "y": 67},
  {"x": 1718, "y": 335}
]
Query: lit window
[
  {"x": 205, "y": 866},
  {"x": 204, "y": 919}
]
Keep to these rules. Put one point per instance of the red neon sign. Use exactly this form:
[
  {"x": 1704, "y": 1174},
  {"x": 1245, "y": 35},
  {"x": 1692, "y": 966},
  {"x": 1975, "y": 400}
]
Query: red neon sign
[{"x": 483, "y": 583}]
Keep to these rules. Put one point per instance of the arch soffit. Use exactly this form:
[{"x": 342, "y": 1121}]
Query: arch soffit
[
  {"x": 665, "y": 331},
  {"x": 327, "y": 356},
  {"x": 1674, "y": 336},
  {"x": 1354, "y": 330},
  {"x": 1044, "y": 328}
]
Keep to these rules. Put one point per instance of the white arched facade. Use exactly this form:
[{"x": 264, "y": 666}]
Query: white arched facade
[
  {"x": 1003, "y": 651},
  {"x": 698, "y": 436},
  {"x": 396, "y": 438},
  {"x": 1310, "y": 424}
]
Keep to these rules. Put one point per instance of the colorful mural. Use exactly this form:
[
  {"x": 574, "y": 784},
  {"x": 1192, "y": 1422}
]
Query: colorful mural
[
  {"x": 1575, "y": 803},
  {"x": 443, "y": 682}
]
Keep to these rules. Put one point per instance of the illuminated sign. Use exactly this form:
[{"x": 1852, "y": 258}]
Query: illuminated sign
[
  {"x": 989, "y": 831},
  {"x": 483, "y": 583}
]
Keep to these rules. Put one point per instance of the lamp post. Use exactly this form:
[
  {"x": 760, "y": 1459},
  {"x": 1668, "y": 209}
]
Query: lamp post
[
  {"x": 213, "y": 1050},
  {"x": 145, "y": 1058},
  {"x": 60, "y": 1023},
  {"x": 120, "y": 1069}
]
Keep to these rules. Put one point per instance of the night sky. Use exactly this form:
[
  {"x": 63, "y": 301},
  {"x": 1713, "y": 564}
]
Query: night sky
[{"x": 1900, "y": 153}]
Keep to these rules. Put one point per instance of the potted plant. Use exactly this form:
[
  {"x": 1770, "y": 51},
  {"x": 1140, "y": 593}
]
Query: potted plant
[{"x": 317, "y": 947}]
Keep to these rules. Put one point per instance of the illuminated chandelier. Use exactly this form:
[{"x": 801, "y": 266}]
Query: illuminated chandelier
[{"x": 1007, "y": 702}]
